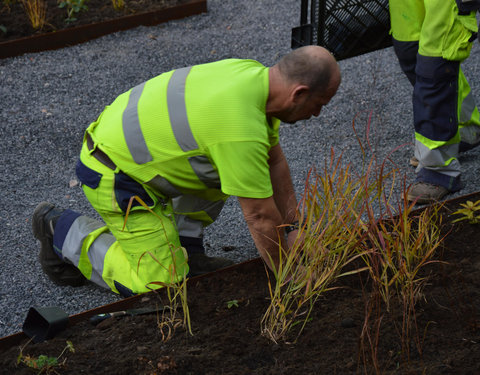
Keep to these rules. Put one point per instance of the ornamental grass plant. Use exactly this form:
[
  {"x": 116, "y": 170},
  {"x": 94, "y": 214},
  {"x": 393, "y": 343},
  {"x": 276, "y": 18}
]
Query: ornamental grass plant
[
  {"x": 118, "y": 4},
  {"x": 399, "y": 243},
  {"x": 330, "y": 211},
  {"x": 399, "y": 246},
  {"x": 36, "y": 11},
  {"x": 355, "y": 219}
]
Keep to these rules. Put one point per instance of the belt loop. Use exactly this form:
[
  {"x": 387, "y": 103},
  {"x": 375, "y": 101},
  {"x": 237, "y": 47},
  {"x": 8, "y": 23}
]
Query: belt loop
[
  {"x": 90, "y": 145},
  {"x": 99, "y": 154}
]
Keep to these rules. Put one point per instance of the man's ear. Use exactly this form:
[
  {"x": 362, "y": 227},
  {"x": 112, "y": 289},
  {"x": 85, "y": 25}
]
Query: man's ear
[{"x": 299, "y": 92}]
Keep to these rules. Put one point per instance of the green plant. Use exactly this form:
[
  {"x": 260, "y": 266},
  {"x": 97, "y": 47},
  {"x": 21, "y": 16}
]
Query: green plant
[
  {"x": 469, "y": 212},
  {"x": 44, "y": 364},
  {"x": 232, "y": 303},
  {"x": 3, "y": 29},
  {"x": 176, "y": 286},
  {"x": 36, "y": 12},
  {"x": 73, "y": 7},
  {"x": 332, "y": 228},
  {"x": 118, "y": 4}
]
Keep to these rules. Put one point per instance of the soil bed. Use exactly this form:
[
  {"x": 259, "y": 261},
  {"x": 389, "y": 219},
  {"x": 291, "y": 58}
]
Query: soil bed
[
  {"x": 228, "y": 340},
  {"x": 14, "y": 20}
]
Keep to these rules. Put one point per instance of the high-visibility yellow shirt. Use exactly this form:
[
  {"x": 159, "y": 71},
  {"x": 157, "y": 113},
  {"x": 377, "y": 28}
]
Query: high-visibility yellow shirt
[{"x": 204, "y": 130}]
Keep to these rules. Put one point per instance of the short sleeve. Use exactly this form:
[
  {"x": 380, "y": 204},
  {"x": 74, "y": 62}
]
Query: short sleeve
[{"x": 243, "y": 168}]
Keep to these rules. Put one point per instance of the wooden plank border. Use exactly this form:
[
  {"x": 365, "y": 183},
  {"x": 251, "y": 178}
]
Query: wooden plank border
[{"x": 81, "y": 34}]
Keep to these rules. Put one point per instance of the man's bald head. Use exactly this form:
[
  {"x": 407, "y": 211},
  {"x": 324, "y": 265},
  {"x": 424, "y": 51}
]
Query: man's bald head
[{"x": 312, "y": 66}]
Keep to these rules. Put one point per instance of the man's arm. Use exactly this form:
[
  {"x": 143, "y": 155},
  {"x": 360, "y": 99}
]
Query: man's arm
[
  {"x": 283, "y": 192},
  {"x": 263, "y": 216}
]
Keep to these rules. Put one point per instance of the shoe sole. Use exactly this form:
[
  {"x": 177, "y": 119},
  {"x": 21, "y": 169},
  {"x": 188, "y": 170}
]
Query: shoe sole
[
  {"x": 39, "y": 232},
  {"x": 422, "y": 200}
]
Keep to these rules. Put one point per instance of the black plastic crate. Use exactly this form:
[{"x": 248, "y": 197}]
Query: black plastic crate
[{"x": 347, "y": 28}]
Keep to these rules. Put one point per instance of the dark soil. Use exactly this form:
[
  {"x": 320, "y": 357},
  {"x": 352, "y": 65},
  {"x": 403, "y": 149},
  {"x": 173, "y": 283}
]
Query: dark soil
[
  {"x": 14, "y": 20},
  {"x": 228, "y": 340}
]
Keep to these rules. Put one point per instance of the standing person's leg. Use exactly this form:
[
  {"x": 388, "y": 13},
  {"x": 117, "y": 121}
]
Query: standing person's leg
[
  {"x": 468, "y": 117},
  {"x": 441, "y": 100},
  {"x": 406, "y": 18}
]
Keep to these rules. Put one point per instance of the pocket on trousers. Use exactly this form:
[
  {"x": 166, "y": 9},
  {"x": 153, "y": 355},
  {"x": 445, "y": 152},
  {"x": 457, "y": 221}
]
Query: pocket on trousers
[
  {"x": 125, "y": 188},
  {"x": 457, "y": 42},
  {"x": 87, "y": 176}
]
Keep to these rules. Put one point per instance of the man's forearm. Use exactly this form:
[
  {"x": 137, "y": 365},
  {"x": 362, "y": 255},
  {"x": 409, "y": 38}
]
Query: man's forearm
[
  {"x": 283, "y": 191},
  {"x": 263, "y": 218}
]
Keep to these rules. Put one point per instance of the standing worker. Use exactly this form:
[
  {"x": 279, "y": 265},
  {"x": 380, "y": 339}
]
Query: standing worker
[
  {"x": 181, "y": 143},
  {"x": 431, "y": 38}
]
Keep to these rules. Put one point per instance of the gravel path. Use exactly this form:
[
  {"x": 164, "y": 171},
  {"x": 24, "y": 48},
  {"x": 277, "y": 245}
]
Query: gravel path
[{"x": 48, "y": 99}]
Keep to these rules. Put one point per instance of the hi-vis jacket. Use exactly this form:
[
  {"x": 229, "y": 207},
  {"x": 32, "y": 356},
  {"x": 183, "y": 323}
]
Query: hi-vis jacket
[{"x": 183, "y": 142}]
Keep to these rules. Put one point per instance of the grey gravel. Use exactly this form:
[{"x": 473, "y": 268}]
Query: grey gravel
[{"x": 47, "y": 100}]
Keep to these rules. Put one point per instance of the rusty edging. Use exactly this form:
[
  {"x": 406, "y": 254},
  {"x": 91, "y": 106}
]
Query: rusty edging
[
  {"x": 8, "y": 342},
  {"x": 81, "y": 34}
]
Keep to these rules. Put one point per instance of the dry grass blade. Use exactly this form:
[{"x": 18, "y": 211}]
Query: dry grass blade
[{"x": 176, "y": 286}]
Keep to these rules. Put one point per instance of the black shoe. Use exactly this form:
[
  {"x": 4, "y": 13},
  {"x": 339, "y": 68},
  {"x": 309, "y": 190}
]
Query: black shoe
[
  {"x": 201, "y": 264},
  {"x": 464, "y": 146},
  {"x": 44, "y": 219}
]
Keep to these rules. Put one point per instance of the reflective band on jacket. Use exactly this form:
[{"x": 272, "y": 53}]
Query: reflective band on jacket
[
  {"x": 182, "y": 131},
  {"x": 178, "y": 111},
  {"x": 163, "y": 186},
  {"x": 132, "y": 130},
  {"x": 180, "y": 126}
]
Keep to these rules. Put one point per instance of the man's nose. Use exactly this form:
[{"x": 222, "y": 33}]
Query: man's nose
[{"x": 317, "y": 112}]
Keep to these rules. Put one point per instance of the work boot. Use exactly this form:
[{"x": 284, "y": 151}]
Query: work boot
[
  {"x": 200, "y": 264},
  {"x": 44, "y": 219},
  {"x": 413, "y": 161},
  {"x": 426, "y": 193},
  {"x": 464, "y": 146}
]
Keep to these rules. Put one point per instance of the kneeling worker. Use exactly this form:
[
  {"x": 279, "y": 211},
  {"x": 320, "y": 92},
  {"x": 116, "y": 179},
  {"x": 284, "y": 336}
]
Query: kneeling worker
[{"x": 181, "y": 143}]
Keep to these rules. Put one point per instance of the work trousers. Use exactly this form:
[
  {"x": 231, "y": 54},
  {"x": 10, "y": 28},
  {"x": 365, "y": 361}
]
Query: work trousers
[
  {"x": 431, "y": 40},
  {"x": 127, "y": 254}
]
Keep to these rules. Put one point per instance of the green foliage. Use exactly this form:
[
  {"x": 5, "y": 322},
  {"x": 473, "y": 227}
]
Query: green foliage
[
  {"x": 232, "y": 303},
  {"x": 3, "y": 29},
  {"x": 44, "y": 364},
  {"x": 73, "y": 7},
  {"x": 469, "y": 212}
]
